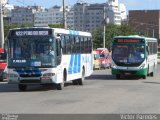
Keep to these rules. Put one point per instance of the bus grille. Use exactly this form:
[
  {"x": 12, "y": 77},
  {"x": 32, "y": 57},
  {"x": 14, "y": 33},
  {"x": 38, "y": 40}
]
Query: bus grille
[
  {"x": 30, "y": 81},
  {"x": 28, "y": 72},
  {"x": 30, "y": 75}
]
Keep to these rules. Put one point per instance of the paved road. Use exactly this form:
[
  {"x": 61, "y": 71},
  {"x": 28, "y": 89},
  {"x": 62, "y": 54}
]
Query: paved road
[{"x": 102, "y": 93}]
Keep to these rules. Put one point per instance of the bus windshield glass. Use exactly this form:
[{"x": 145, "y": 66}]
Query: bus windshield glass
[
  {"x": 128, "y": 54},
  {"x": 31, "y": 51}
]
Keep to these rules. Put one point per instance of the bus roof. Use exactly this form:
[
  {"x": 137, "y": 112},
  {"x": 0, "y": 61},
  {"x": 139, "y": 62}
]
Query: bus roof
[
  {"x": 56, "y": 30},
  {"x": 136, "y": 37}
]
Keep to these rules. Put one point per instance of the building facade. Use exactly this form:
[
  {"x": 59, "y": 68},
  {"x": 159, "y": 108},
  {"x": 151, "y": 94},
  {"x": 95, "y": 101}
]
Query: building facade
[
  {"x": 54, "y": 15},
  {"x": 145, "y": 22},
  {"x": 90, "y": 16},
  {"x": 24, "y": 15}
]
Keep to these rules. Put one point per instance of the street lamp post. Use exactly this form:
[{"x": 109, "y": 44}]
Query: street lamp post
[
  {"x": 1, "y": 25},
  {"x": 105, "y": 22},
  {"x": 104, "y": 28},
  {"x": 64, "y": 15}
]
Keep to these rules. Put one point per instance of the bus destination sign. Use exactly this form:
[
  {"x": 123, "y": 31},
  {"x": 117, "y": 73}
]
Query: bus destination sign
[
  {"x": 31, "y": 33},
  {"x": 128, "y": 41}
]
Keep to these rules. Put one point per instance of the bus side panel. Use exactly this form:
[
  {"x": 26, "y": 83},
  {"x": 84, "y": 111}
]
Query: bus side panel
[
  {"x": 152, "y": 62},
  {"x": 88, "y": 61},
  {"x": 74, "y": 64}
]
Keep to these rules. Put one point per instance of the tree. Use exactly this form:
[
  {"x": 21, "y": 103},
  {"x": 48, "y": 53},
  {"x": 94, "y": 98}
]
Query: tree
[
  {"x": 111, "y": 31},
  {"x": 11, "y": 26},
  {"x": 56, "y": 25}
]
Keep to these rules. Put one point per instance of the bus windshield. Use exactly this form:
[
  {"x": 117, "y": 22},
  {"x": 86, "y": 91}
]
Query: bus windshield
[
  {"x": 31, "y": 51},
  {"x": 128, "y": 54}
]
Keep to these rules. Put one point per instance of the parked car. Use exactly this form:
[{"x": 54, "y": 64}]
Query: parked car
[
  {"x": 105, "y": 57},
  {"x": 96, "y": 60}
]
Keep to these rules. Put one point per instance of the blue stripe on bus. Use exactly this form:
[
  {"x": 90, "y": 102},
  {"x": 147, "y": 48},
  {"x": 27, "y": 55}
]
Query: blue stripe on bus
[
  {"x": 71, "y": 65},
  {"x": 75, "y": 64},
  {"x": 72, "y": 32},
  {"x": 79, "y": 63}
]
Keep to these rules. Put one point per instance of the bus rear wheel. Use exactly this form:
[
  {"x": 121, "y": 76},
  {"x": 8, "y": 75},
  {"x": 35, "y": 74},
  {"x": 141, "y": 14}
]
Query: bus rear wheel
[
  {"x": 118, "y": 76},
  {"x": 81, "y": 80},
  {"x": 22, "y": 87},
  {"x": 152, "y": 73},
  {"x": 75, "y": 82}
]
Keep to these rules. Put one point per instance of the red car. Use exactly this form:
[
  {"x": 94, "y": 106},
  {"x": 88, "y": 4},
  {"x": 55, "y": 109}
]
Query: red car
[
  {"x": 3, "y": 63},
  {"x": 105, "y": 57}
]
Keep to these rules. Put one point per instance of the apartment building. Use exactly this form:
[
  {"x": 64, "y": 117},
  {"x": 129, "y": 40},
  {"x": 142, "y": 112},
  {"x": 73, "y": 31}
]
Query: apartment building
[
  {"x": 54, "y": 15},
  {"x": 90, "y": 16},
  {"x": 24, "y": 15},
  {"x": 145, "y": 22}
]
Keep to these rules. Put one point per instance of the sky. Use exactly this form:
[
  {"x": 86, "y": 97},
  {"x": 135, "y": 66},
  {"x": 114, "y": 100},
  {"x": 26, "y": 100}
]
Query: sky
[{"x": 130, "y": 4}]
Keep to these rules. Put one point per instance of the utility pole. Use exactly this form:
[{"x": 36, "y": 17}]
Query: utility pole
[
  {"x": 64, "y": 15},
  {"x": 104, "y": 27},
  {"x": 1, "y": 25}
]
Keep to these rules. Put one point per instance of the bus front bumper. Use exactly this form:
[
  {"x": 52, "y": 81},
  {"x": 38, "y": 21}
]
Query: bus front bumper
[
  {"x": 129, "y": 72},
  {"x": 32, "y": 80}
]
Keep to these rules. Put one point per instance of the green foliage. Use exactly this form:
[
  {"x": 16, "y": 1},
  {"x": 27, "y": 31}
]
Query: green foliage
[
  {"x": 56, "y": 25},
  {"x": 7, "y": 27},
  {"x": 111, "y": 31}
]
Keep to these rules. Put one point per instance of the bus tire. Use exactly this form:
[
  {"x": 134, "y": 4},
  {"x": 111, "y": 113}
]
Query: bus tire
[
  {"x": 148, "y": 74},
  {"x": 75, "y": 82},
  {"x": 118, "y": 76},
  {"x": 152, "y": 73},
  {"x": 22, "y": 87},
  {"x": 144, "y": 76},
  {"x": 60, "y": 86},
  {"x": 1, "y": 78},
  {"x": 81, "y": 80}
]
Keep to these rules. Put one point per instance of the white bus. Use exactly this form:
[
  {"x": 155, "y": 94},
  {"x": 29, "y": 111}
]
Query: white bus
[
  {"x": 134, "y": 55},
  {"x": 48, "y": 55}
]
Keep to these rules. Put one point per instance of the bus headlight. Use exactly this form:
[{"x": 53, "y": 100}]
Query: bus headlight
[
  {"x": 142, "y": 66},
  {"x": 114, "y": 66},
  {"x": 11, "y": 75}
]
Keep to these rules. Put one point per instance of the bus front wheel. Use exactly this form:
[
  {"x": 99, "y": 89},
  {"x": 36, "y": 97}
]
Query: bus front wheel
[
  {"x": 144, "y": 76},
  {"x": 60, "y": 86},
  {"x": 22, "y": 87}
]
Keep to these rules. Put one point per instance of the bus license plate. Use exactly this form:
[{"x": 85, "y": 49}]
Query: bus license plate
[{"x": 127, "y": 73}]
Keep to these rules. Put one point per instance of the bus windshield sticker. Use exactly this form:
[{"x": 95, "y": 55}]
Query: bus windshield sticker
[
  {"x": 37, "y": 63},
  {"x": 19, "y": 61}
]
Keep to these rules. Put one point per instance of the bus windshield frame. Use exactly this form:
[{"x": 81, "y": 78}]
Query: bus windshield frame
[
  {"x": 31, "y": 51},
  {"x": 126, "y": 53}
]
